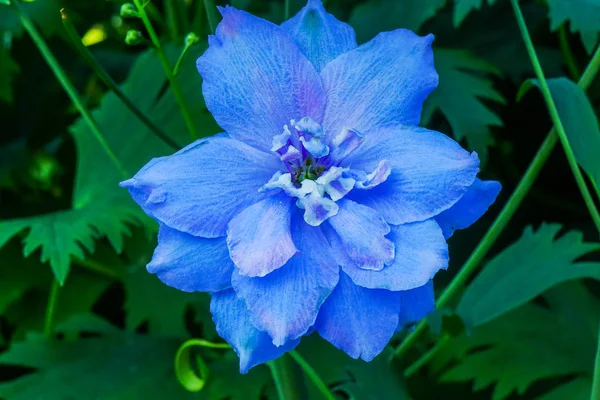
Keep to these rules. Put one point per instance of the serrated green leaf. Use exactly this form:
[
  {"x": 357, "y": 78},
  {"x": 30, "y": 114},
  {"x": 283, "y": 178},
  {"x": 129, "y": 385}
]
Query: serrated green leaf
[
  {"x": 463, "y": 84},
  {"x": 524, "y": 270},
  {"x": 127, "y": 367},
  {"x": 463, "y": 7},
  {"x": 8, "y": 69},
  {"x": 583, "y": 17},
  {"x": 525, "y": 345},
  {"x": 390, "y": 15},
  {"x": 67, "y": 234}
]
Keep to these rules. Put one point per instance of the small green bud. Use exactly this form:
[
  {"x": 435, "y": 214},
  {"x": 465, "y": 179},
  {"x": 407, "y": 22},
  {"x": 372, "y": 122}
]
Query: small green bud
[
  {"x": 133, "y": 37},
  {"x": 191, "y": 39},
  {"x": 129, "y": 10}
]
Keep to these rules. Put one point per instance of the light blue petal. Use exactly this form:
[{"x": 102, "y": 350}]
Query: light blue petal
[
  {"x": 480, "y": 196},
  {"x": 429, "y": 172},
  {"x": 385, "y": 80},
  {"x": 319, "y": 35},
  {"x": 259, "y": 238},
  {"x": 362, "y": 232},
  {"x": 357, "y": 320},
  {"x": 201, "y": 187},
  {"x": 421, "y": 251},
  {"x": 256, "y": 79},
  {"x": 416, "y": 304},
  {"x": 285, "y": 302},
  {"x": 190, "y": 263},
  {"x": 252, "y": 346}
]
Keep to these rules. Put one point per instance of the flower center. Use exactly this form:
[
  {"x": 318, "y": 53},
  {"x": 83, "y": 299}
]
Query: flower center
[{"x": 314, "y": 175}]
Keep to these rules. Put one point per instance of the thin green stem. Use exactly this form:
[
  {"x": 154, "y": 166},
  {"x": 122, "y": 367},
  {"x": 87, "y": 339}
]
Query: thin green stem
[
  {"x": 312, "y": 374},
  {"x": 185, "y": 111},
  {"x": 209, "y": 7},
  {"x": 67, "y": 86},
  {"x": 51, "y": 309},
  {"x": 567, "y": 53},
  {"x": 513, "y": 203},
  {"x": 589, "y": 201},
  {"x": 180, "y": 59},
  {"x": 108, "y": 81},
  {"x": 285, "y": 381},
  {"x": 596, "y": 382},
  {"x": 286, "y": 10}
]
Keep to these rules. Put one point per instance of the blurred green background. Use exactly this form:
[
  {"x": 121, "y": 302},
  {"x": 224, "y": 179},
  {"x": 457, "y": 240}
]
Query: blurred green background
[{"x": 525, "y": 328}]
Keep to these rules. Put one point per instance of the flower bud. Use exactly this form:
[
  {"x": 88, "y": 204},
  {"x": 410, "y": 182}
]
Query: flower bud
[
  {"x": 133, "y": 37},
  {"x": 191, "y": 39},
  {"x": 129, "y": 10}
]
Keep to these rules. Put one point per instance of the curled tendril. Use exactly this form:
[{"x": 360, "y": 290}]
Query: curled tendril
[{"x": 193, "y": 378}]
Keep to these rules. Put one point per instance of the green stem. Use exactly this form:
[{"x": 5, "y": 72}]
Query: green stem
[
  {"x": 180, "y": 59},
  {"x": 96, "y": 267},
  {"x": 513, "y": 203},
  {"x": 567, "y": 53},
  {"x": 286, "y": 10},
  {"x": 596, "y": 383},
  {"x": 209, "y": 7},
  {"x": 185, "y": 111},
  {"x": 285, "y": 381},
  {"x": 112, "y": 85},
  {"x": 312, "y": 374},
  {"x": 67, "y": 86},
  {"x": 589, "y": 201},
  {"x": 51, "y": 309}
]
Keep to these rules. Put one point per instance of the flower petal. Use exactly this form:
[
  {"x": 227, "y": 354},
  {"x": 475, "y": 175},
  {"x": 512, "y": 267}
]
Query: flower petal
[
  {"x": 190, "y": 263},
  {"x": 421, "y": 251},
  {"x": 429, "y": 172},
  {"x": 201, "y": 187},
  {"x": 357, "y": 320},
  {"x": 319, "y": 35},
  {"x": 256, "y": 79},
  {"x": 252, "y": 346},
  {"x": 480, "y": 196},
  {"x": 285, "y": 303},
  {"x": 385, "y": 80},
  {"x": 259, "y": 238},
  {"x": 362, "y": 232},
  {"x": 416, "y": 304}
]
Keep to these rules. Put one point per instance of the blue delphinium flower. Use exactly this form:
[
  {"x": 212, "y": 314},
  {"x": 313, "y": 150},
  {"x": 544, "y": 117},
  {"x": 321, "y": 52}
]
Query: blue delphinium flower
[{"x": 323, "y": 207}]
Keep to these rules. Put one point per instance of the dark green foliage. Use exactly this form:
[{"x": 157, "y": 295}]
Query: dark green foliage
[{"x": 525, "y": 327}]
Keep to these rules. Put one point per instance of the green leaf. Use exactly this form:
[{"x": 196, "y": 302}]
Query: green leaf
[
  {"x": 45, "y": 14},
  {"x": 463, "y": 7},
  {"x": 463, "y": 84},
  {"x": 527, "y": 344},
  {"x": 390, "y": 15},
  {"x": 577, "y": 389},
  {"x": 8, "y": 68},
  {"x": 226, "y": 382},
  {"x": 125, "y": 366},
  {"x": 100, "y": 206},
  {"x": 583, "y": 16},
  {"x": 578, "y": 119},
  {"x": 524, "y": 270},
  {"x": 376, "y": 380}
]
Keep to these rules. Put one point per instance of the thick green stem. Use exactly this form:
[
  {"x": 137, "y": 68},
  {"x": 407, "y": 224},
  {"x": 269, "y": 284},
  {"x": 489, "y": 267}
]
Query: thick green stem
[
  {"x": 286, "y": 10},
  {"x": 108, "y": 81},
  {"x": 589, "y": 201},
  {"x": 51, "y": 309},
  {"x": 503, "y": 218},
  {"x": 312, "y": 374},
  {"x": 286, "y": 382},
  {"x": 185, "y": 111},
  {"x": 67, "y": 86}
]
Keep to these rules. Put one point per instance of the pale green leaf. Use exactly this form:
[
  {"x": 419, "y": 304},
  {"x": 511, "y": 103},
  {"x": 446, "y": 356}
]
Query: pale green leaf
[
  {"x": 464, "y": 83},
  {"x": 524, "y": 270},
  {"x": 582, "y": 15}
]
